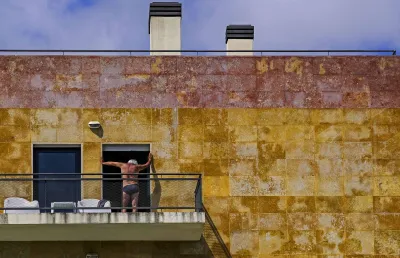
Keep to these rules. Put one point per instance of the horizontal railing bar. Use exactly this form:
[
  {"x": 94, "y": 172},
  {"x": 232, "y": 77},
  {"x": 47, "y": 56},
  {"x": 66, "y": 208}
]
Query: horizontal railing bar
[
  {"x": 197, "y": 51},
  {"x": 96, "y": 208},
  {"x": 99, "y": 174},
  {"x": 98, "y": 179}
]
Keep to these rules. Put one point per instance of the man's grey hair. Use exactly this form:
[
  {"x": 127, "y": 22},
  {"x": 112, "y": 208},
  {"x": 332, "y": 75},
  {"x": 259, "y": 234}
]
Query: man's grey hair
[{"x": 133, "y": 161}]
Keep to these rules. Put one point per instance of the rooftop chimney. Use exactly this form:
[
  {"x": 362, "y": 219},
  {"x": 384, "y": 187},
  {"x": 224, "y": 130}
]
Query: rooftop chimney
[
  {"x": 239, "y": 37},
  {"x": 165, "y": 27}
]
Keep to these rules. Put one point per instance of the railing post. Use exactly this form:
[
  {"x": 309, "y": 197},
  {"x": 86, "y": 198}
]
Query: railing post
[
  {"x": 45, "y": 194},
  {"x": 198, "y": 195}
]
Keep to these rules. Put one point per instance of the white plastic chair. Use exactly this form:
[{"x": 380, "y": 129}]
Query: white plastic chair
[
  {"x": 17, "y": 202},
  {"x": 85, "y": 203}
]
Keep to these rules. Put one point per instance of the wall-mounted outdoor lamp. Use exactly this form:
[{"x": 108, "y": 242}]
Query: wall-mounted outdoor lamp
[{"x": 94, "y": 124}]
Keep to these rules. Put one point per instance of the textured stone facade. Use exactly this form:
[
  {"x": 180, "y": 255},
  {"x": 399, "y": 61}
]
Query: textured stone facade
[
  {"x": 300, "y": 156},
  {"x": 210, "y": 82}
]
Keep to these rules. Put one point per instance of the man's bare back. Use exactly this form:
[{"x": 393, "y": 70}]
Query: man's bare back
[
  {"x": 130, "y": 173},
  {"x": 129, "y": 168},
  {"x": 130, "y": 186}
]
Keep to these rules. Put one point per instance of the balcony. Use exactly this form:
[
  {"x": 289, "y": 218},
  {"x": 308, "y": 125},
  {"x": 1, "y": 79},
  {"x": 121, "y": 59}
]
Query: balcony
[{"x": 90, "y": 207}]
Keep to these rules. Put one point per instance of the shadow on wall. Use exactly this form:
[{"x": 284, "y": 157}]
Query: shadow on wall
[
  {"x": 209, "y": 246},
  {"x": 98, "y": 131},
  {"x": 156, "y": 194},
  {"x": 109, "y": 249},
  {"x": 211, "y": 243},
  {"x": 213, "y": 240}
]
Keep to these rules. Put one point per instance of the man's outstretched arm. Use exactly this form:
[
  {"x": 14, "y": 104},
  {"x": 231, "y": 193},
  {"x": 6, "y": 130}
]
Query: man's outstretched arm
[
  {"x": 144, "y": 166},
  {"x": 112, "y": 163}
]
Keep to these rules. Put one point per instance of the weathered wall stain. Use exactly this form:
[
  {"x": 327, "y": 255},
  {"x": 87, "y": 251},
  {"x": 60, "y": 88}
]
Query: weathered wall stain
[
  {"x": 166, "y": 82},
  {"x": 315, "y": 176},
  {"x": 299, "y": 155}
]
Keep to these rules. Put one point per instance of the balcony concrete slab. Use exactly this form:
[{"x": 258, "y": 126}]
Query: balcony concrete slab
[{"x": 151, "y": 226}]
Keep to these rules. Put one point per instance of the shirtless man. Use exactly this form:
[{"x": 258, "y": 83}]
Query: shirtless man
[{"x": 130, "y": 186}]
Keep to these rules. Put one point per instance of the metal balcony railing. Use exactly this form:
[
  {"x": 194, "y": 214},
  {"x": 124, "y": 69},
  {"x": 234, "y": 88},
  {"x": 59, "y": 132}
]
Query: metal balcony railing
[
  {"x": 128, "y": 52},
  {"x": 53, "y": 192}
]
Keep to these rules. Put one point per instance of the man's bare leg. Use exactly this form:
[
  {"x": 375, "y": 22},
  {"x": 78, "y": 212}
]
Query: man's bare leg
[
  {"x": 135, "y": 200},
  {"x": 125, "y": 200}
]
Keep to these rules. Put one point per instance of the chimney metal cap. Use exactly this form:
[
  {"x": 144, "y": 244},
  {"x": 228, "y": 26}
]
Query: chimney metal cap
[
  {"x": 165, "y": 9},
  {"x": 239, "y": 32}
]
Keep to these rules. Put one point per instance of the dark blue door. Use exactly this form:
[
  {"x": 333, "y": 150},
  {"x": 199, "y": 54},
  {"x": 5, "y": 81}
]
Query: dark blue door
[{"x": 63, "y": 164}]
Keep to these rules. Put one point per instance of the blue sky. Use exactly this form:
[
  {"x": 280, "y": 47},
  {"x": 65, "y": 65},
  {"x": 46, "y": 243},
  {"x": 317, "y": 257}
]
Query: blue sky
[{"x": 279, "y": 24}]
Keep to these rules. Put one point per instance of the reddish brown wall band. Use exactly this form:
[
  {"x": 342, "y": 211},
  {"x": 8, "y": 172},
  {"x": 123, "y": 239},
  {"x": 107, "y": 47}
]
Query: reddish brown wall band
[{"x": 302, "y": 82}]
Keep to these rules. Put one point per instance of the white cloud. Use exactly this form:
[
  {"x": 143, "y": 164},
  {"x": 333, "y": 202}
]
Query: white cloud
[{"x": 279, "y": 24}]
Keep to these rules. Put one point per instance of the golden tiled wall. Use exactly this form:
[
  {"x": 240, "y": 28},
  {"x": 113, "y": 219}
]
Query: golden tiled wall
[{"x": 276, "y": 181}]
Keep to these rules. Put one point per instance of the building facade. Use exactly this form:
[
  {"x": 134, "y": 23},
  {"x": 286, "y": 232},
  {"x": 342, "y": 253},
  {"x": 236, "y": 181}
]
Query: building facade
[{"x": 299, "y": 156}]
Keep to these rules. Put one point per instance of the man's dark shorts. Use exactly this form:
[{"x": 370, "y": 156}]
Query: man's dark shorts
[{"x": 130, "y": 189}]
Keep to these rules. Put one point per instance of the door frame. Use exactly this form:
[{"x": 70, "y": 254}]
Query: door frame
[
  {"x": 56, "y": 145},
  {"x": 126, "y": 144}
]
